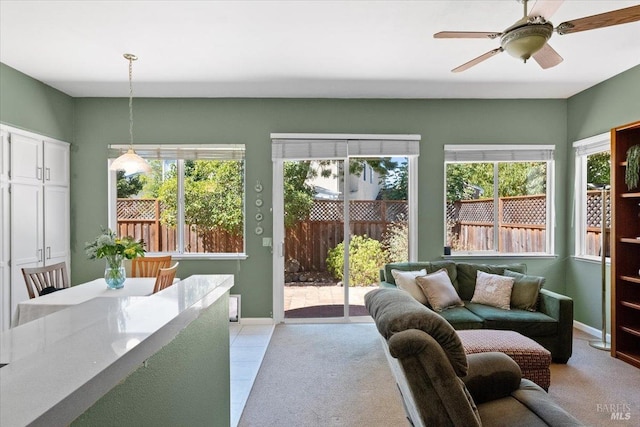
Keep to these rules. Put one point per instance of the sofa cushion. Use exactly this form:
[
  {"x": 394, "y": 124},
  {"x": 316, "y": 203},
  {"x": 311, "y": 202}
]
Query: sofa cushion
[
  {"x": 394, "y": 311},
  {"x": 461, "y": 318},
  {"x": 528, "y": 323},
  {"x": 468, "y": 272},
  {"x": 430, "y": 267},
  {"x": 525, "y": 290},
  {"x": 406, "y": 280},
  {"x": 509, "y": 411},
  {"x": 493, "y": 290},
  {"x": 439, "y": 290}
]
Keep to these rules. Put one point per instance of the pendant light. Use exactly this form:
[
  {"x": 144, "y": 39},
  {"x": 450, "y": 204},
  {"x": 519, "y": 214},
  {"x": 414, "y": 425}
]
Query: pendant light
[{"x": 130, "y": 162}]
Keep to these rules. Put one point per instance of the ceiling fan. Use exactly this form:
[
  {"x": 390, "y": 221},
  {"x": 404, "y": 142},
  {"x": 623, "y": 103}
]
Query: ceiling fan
[{"x": 528, "y": 36}]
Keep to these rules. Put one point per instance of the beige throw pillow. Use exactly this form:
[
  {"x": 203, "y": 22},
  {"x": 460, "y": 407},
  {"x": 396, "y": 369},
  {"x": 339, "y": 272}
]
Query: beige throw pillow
[
  {"x": 439, "y": 290},
  {"x": 406, "y": 280},
  {"x": 493, "y": 290}
]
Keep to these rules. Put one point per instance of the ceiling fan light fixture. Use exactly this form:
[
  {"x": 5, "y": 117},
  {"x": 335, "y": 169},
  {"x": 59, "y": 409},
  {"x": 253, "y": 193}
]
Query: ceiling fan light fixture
[
  {"x": 525, "y": 41},
  {"x": 130, "y": 162}
]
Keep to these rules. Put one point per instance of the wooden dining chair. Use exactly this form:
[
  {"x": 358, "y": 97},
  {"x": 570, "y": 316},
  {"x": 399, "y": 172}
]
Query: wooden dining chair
[
  {"x": 148, "y": 266},
  {"x": 43, "y": 280},
  {"x": 165, "y": 277}
]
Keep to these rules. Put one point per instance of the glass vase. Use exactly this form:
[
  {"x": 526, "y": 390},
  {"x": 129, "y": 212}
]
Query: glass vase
[{"x": 114, "y": 273}]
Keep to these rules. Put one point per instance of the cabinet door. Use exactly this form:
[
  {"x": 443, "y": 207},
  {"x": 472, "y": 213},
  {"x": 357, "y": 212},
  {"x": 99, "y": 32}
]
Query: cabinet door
[
  {"x": 4, "y": 156},
  {"x": 56, "y": 223},
  {"x": 4, "y": 232},
  {"x": 26, "y": 159},
  {"x": 56, "y": 163},
  {"x": 26, "y": 236},
  {"x": 5, "y": 309}
]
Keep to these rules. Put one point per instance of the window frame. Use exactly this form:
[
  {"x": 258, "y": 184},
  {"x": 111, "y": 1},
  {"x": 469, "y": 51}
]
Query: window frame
[
  {"x": 492, "y": 153},
  {"x": 582, "y": 149},
  {"x": 180, "y": 153}
]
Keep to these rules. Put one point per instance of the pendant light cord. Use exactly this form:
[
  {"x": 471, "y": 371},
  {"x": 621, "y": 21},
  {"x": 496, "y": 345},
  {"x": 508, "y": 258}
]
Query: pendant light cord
[{"x": 130, "y": 102}]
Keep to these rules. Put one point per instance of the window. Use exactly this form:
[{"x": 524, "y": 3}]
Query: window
[
  {"x": 593, "y": 166},
  {"x": 191, "y": 204},
  {"x": 497, "y": 199}
]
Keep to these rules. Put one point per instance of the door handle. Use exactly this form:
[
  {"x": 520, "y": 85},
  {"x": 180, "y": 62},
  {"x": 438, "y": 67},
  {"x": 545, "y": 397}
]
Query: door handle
[
  {"x": 38, "y": 172},
  {"x": 48, "y": 252},
  {"x": 39, "y": 255},
  {"x": 48, "y": 176}
]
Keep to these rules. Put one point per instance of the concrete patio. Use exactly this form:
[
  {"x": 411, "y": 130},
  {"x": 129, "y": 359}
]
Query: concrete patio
[{"x": 299, "y": 296}]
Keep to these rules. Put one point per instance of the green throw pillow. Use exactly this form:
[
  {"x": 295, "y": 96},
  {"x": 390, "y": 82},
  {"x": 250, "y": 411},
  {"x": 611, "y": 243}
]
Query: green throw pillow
[{"x": 525, "y": 290}]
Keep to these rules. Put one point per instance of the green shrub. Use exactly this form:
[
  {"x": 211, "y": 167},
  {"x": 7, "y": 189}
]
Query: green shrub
[
  {"x": 395, "y": 242},
  {"x": 365, "y": 259}
]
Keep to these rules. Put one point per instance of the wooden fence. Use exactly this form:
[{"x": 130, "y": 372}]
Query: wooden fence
[
  {"x": 140, "y": 218},
  {"x": 521, "y": 222},
  {"x": 309, "y": 241},
  {"x": 522, "y": 227}
]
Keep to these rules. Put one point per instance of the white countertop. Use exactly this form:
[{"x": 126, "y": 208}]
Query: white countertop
[
  {"x": 34, "y": 308},
  {"x": 60, "y": 364}
]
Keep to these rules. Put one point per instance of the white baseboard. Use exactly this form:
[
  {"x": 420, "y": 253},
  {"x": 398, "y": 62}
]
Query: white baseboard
[
  {"x": 590, "y": 330},
  {"x": 256, "y": 321}
]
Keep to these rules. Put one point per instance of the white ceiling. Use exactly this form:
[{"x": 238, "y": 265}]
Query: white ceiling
[{"x": 326, "y": 49}]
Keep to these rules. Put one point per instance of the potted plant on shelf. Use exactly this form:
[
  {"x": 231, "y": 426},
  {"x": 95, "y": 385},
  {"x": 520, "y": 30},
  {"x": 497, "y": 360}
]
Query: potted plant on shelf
[
  {"x": 114, "y": 250},
  {"x": 633, "y": 167}
]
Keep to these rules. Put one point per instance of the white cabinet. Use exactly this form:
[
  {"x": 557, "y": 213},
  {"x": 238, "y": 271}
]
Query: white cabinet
[
  {"x": 5, "y": 273},
  {"x": 37, "y": 208}
]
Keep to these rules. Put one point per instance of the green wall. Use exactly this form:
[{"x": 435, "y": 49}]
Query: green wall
[
  {"x": 102, "y": 121},
  {"x": 174, "y": 387},
  {"x": 594, "y": 111},
  {"x": 26, "y": 103}
]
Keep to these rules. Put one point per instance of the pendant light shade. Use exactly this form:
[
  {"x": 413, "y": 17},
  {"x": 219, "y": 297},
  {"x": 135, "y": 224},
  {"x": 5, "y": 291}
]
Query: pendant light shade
[{"x": 130, "y": 162}]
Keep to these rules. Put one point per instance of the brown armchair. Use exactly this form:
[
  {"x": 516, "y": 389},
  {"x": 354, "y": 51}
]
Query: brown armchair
[{"x": 442, "y": 386}]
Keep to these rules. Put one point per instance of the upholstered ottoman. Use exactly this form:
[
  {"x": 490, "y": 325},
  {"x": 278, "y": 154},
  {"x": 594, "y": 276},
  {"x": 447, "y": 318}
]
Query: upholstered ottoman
[{"x": 533, "y": 359}]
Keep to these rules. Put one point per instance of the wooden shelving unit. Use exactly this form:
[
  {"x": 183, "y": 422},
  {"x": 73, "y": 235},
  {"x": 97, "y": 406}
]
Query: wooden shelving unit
[{"x": 625, "y": 250}]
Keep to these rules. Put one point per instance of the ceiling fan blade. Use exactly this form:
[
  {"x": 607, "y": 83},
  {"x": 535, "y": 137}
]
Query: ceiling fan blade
[
  {"x": 547, "y": 57},
  {"x": 615, "y": 17},
  {"x": 465, "y": 35},
  {"x": 477, "y": 60},
  {"x": 545, "y": 8}
]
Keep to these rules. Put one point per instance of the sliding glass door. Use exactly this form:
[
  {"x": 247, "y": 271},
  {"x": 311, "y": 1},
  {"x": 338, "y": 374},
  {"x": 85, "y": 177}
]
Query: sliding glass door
[{"x": 337, "y": 220}]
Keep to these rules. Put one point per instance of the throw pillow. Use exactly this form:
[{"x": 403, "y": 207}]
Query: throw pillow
[
  {"x": 493, "y": 290},
  {"x": 406, "y": 280},
  {"x": 525, "y": 290},
  {"x": 439, "y": 290}
]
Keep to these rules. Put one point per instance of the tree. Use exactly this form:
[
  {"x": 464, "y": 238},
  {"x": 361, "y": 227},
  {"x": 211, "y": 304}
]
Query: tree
[
  {"x": 213, "y": 198},
  {"x": 128, "y": 185},
  {"x": 396, "y": 184},
  {"x": 599, "y": 168},
  {"x": 381, "y": 165},
  {"x": 521, "y": 178},
  {"x": 467, "y": 181},
  {"x": 298, "y": 195}
]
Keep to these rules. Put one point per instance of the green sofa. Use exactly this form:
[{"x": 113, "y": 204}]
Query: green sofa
[{"x": 551, "y": 325}]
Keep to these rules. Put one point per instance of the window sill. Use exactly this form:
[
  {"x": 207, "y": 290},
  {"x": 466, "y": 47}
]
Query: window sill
[
  {"x": 207, "y": 257},
  {"x": 591, "y": 259},
  {"x": 501, "y": 256}
]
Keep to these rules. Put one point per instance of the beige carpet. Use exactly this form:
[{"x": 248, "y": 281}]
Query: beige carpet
[
  {"x": 337, "y": 375},
  {"x": 324, "y": 375},
  {"x": 593, "y": 385}
]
